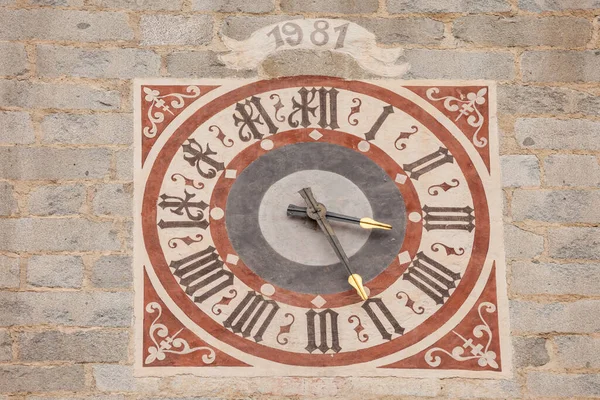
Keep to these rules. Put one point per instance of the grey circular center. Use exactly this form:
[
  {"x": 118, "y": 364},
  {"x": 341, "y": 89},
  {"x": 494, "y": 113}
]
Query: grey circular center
[{"x": 293, "y": 238}]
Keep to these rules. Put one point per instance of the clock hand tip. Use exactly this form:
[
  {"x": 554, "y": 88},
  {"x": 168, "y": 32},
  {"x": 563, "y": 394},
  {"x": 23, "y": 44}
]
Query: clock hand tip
[
  {"x": 369, "y": 223},
  {"x": 355, "y": 280}
]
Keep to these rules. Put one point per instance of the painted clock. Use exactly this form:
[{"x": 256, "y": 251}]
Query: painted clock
[{"x": 256, "y": 248}]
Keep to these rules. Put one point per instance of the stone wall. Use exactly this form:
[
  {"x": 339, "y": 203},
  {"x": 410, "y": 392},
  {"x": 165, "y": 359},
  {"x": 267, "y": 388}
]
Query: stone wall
[{"x": 66, "y": 179}]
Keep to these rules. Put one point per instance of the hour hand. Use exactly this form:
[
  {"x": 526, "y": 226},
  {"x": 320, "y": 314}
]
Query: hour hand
[{"x": 366, "y": 223}]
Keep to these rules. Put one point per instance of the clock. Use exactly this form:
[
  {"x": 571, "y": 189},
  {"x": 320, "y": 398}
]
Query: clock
[{"x": 250, "y": 254}]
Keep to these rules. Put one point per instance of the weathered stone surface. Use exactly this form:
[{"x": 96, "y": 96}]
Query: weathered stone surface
[
  {"x": 516, "y": 99},
  {"x": 404, "y": 30},
  {"x": 26, "y": 378},
  {"x": 574, "y": 351},
  {"x": 57, "y": 234},
  {"x": 88, "y": 129},
  {"x": 241, "y": 27},
  {"x": 481, "y": 389},
  {"x": 556, "y": 205},
  {"x": 33, "y": 163},
  {"x": 533, "y": 317},
  {"x": 49, "y": 24},
  {"x": 5, "y": 345},
  {"x": 548, "y": 278},
  {"x": 82, "y": 346},
  {"x": 8, "y": 203},
  {"x": 575, "y": 243},
  {"x": 84, "y": 397},
  {"x": 9, "y": 272},
  {"x": 138, "y": 5},
  {"x": 520, "y": 170},
  {"x": 119, "y": 378},
  {"x": 55, "y": 271},
  {"x": 57, "y": 95},
  {"x": 112, "y": 272},
  {"x": 440, "y": 6},
  {"x": 557, "y": 5},
  {"x": 556, "y": 134},
  {"x": 57, "y": 200},
  {"x": 176, "y": 29},
  {"x": 519, "y": 243},
  {"x": 587, "y": 103},
  {"x": 490, "y": 30},
  {"x": 16, "y": 128},
  {"x": 201, "y": 64},
  {"x": 561, "y": 66},
  {"x": 550, "y": 384},
  {"x": 330, "y": 6},
  {"x": 529, "y": 351},
  {"x": 66, "y": 308},
  {"x": 56, "y": 61},
  {"x": 14, "y": 60},
  {"x": 61, "y": 3},
  {"x": 256, "y": 6},
  {"x": 453, "y": 64},
  {"x": 124, "y": 165},
  {"x": 113, "y": 199},
  {"x": 572, "y": 170}
]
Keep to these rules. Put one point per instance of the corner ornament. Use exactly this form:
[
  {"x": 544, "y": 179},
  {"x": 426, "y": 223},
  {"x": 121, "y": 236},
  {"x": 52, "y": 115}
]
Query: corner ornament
[{"x": 315, "y": 34}]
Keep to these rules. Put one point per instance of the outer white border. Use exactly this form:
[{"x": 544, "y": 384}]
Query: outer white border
[{"x": 494, "y": 191}]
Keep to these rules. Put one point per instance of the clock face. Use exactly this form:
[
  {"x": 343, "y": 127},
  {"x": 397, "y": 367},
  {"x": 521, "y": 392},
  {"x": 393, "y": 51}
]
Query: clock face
[{"x": 259, "y": 292}]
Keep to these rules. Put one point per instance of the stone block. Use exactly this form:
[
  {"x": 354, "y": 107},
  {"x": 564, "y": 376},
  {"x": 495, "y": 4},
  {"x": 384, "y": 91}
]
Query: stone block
[
  {"x": 529, "y": 351},
  {"x": 14, "y": 60},
  {"x": 234, "y": 6},
  {"x": 574, "y": 351},
  {"x": 5, "y": 345},
  {"x": 330, "y": 6},
  {"x": 587, "y": 103},
  {"x": 68, "y": 308},
  {"x": 55, "y": 271},
  {"x": 557, "y": 134},
  {"x": 571, "y": 170},
  {"x": 88, "y": 129},
  {"x": 59, "y": 3},
  {"x": 574, "y": 243},
  {"x": 453, "y": 64},
  {"x": 404, "y": 30},
  {"x": 481, "y": 389},
  {"x": 516, "y": 99},
  {"x": 57, "y": 61},
  {"x": 9, "y": 272},
  {"x": 142, "y": 5},
  {"x": 16, "y": 128},
  {"x": 70, "y": 25},
  {"x": 57, "y": 200},
  {"x": 159, "y": 30},
  {"x": 520, "y": 243},
  {"x": 491, "y": 30},
  {"x": 57, "y": 234},
  {"x": 520, "y": 170},
  {"x": 241, "y": 27},
  {"x": 112, "y": 272},
  {"x": 446, "y": 6},
  {"x": 39, "y": 163},
  {"x": 64, "y": 96},
  {"x": 551, "y": 384},
  {"x": 556, "y": 205},
  {"x": 81, "y": 346},
  {"x": 575, "y": 316},
  {"x": 113, "y": 199},
  {"x": 555, "y": 279},
  {"x": 201, "y": 64},
  {"x": 561, "y": 66},
  {"x": 27, "y": 378},
  {"x": 557, "y": 5},
  {"x": 119, "y": 378},
  {"x": 124, "y": 165},
  {"x": 8, "y": 203}
]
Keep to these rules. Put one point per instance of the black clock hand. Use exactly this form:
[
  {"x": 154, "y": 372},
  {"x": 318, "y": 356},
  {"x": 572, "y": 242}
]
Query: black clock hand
[
  {"x": 317, "y": 211},
  {"x": 366, "y": 223}
]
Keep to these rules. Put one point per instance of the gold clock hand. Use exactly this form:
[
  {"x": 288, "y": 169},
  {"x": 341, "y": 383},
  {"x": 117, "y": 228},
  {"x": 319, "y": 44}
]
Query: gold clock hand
[
  {"x": 365, "y": 223},
  {"x": 317, "y": 211}
]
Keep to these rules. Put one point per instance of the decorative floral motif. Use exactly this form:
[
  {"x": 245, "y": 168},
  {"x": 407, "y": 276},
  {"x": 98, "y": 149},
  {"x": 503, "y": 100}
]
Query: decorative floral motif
[
  {"x": 481, "y": 353},
  {"x": 449, "y": 250},
  {"x": 410, "y": 303},
  {"x": 187, "y": 240},
  {"x": 169, "y": 344},
  {"x": 405, "y": 135},
  {"x": 216, "y": 308},
  {"x": 221, "y": 136},
  {"x": 465, "y": 107},
  {"x": 433, "y": 191},
  {"x": 159, "y": 105},
  {"x": 359, "y": 328},
  {"x": 285, "y": 329},
  {"x": 354, "y": 110},
  {"x": 188, "y": 181},
  {"x": 278, "y": 106}
]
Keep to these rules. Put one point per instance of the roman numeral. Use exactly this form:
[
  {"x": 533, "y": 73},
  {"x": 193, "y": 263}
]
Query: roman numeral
[
  {"x": 387, "y": 110},
  {"x": 431, "y": 277},
  {"x": 327, "y": 331},
  {"x": 202, "y": 274},
  {"x": 422, "y": 166},
  {"x": 247, "y": 314},
  {"x": 448, "y": 218},
  {"x": 369, "y": 306},
  {"x": 303, "y": 107},
  {"x": 247, "y": 119}
]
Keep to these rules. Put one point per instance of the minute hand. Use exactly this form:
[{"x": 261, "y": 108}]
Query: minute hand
[{"x": 317, "y": 212}]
